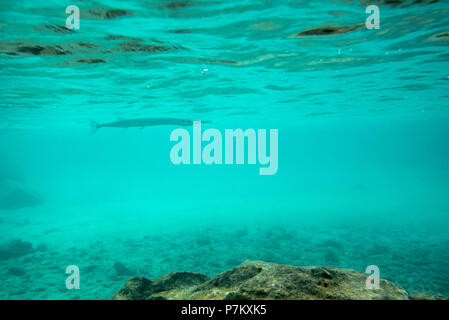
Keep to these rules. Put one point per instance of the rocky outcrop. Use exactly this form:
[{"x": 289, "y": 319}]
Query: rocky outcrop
[
  {"x": 90, "y": 50},
  {"x": 91, "y": 61},
  {"x": 327, "y": 31},
  {"x": 15, "y": 195},
  {"x": 442, "y": 35},
  {"x": 398, "y": 3},
  {"x": 15, "y": 249},
  {"x": 33, "y": 49},
  {"x": 19, "y": 198},
  {"x": 140, "y": 288},
  {"x": 425, "y": 296},
  {"x": 122, "y": 270},
  {"x": 262, "y": 280},
  {"x": 107, "y": 13},
  {"x": 54, "y": 28}
]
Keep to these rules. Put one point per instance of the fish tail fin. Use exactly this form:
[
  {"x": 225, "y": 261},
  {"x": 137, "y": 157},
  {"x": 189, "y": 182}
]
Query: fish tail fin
[{"x": 94, "y": 126}]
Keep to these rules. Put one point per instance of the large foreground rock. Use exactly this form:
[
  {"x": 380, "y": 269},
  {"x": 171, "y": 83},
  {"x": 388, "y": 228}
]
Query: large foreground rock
[{"x": 262, "y": 280}]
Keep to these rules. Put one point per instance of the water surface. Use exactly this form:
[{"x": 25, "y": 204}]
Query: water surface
[{"x": 363, "y": 154}]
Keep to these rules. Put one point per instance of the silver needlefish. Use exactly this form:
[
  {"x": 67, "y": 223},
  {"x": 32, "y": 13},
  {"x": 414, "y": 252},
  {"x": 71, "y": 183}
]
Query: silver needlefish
[{"x": 141, "y": 123}]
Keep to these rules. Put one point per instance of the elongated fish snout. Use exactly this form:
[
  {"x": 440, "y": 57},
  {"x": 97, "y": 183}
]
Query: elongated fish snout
[{"x": 94, "y": 126}]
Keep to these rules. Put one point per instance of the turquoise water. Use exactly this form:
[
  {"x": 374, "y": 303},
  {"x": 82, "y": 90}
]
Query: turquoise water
[{"x": 363, "y": 124}]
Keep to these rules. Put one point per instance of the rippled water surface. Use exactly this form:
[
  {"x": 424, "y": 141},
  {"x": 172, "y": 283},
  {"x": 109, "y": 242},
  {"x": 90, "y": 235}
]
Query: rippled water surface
[{"x": 363, "y": 125}]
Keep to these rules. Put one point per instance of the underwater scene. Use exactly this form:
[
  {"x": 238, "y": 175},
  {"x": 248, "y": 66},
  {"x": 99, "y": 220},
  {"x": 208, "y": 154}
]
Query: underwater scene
[{"x": 116, "y": 159}]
